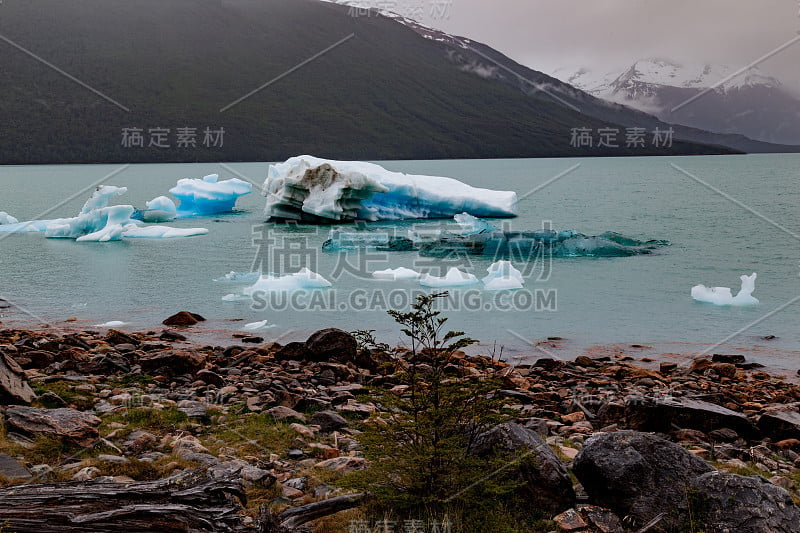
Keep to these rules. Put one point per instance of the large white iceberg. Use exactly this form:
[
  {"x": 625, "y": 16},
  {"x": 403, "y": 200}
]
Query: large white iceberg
[
  {"x": 99, "y": 222},
  {"x": 208, "y": 196},
  {"x": 453, "y": 278},
  {"x": 723, "y": 295},
  {"x": 502, "y": 276},
  {"x": 318, "y": 190},
  {"x": 5, "y": 218}
]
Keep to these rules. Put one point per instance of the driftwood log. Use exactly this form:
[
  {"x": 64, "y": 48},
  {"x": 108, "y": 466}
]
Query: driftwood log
[{"x": 188, "y": 502}]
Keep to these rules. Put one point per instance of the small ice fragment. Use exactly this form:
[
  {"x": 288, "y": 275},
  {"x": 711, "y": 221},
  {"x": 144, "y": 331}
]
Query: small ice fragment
[
  {"x": 101, "y": 196},
  {"x": 396, "y": 274},
  {"x": 112, "y": 324},
  {"x": 305, "y": 279},
  {"x": 247, "y": 277},
  {"x": 502, "y": 276},
  {"x": 160, "y": 209},
  {"x": 454, "y": 278},
  {"x": 471, "y": 225},
  {"x": 253, "y": 326},
  {"x": 724, "y": 296},
  {"x": 5, "y": 218}
]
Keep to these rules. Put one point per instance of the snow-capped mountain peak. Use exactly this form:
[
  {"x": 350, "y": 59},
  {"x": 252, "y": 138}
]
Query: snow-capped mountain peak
[{"x": 658, "y": 72}]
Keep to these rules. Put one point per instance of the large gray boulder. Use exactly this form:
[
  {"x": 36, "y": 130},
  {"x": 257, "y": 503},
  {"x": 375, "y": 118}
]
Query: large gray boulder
[
  {"x": 546, "y": 484},
  {"x": 640, "y": 475},
  {"x": 665, "y": 415},
  {"x": 727, "y": 502}
]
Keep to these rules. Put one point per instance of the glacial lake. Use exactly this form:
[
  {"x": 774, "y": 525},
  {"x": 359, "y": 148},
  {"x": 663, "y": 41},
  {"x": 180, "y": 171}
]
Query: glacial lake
[{"x": 735, "y": 215}]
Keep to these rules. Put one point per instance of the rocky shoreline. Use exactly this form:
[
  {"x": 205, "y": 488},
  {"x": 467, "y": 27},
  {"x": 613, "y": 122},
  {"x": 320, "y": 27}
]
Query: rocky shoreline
[{"x": 282, "y": 421}]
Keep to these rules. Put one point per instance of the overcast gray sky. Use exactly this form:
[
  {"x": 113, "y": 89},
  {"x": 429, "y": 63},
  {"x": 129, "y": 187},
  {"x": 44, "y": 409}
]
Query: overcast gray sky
[{"x": 612, "y": 34}]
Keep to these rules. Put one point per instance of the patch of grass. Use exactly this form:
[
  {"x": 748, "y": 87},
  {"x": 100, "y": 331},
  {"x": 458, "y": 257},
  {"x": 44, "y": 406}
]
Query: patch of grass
[
  {"x": 66, "y": 391},
  {"x": 129, "y": 380},
  {"x": 146, "y": 471},
  {"x": 258, "y": 496},
  {"x": 151, "y": 419},
  {"x": 256, "y": 434},
  {"x": 749, "y": 470}
]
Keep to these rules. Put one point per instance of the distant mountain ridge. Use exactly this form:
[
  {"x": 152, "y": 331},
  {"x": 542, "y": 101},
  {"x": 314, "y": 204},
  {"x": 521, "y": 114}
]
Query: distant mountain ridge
[
  {"x": 726, "y": 100},
  {"x": 281, "y": 78}
]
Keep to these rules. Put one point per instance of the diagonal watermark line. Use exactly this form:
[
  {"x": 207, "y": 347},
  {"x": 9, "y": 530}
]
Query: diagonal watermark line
[
  {"x": 536, "y": 86},
  {"x": 29, "y": 313},
  {"x": 750, "y": 326},
  {"x": 534, "y": 345},
  {"x": 735, "y": 201},
  {"x": 492, "y": 474},
  {"x": 63, "y": 73},
  {"x": 761, "y": 59},
  {"x": 538, "y": 188},
  {"x": 288, "y": 72},
  {"x": 259, "y": 186},
  {"x": 71, "y": 198}
]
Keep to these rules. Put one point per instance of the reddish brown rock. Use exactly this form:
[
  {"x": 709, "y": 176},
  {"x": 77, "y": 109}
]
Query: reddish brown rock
[
  {"x": 183, "y": 319},
  {"x": 68, "y": 424}
]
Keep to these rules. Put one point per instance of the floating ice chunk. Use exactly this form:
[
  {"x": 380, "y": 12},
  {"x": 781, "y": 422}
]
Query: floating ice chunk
[
  {"x": 471, "y": 225},
  {"x": 503, "y": 276},
  {"x": 101, "y": 196},
  {"x": 318, "y": 190},
  {"x": 112, "y": 324},
  {"x": 396, "y": 274},
  {"x": 30, "y": 226},
  {"x": 208, "y": 196},
  {"x": 99, "y": 222},
  {"x": 341, "y": 239},
  {"x": 160, "y": 209},
  {"x": 161, "y": 232},
  {"x": 246, "y": 277},
  {"x": 236, "y": 298},
  {"x": 255, "y": 326},
  {"x": 305, "y": 279},
  {"x": 723, "y": 295},
  {"x": 454, "y": 278},
  {"x": 5, "y": 218},
  {"x": 99, "y": 225}
]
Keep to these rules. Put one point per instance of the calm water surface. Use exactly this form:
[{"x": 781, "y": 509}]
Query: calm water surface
[{"x": 602, "y": 305}]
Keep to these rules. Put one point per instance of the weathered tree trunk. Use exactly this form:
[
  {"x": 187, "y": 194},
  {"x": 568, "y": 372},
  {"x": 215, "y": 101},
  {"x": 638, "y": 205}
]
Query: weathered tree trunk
[
  {"x": 294, "y": 517},
  {"x": 187, "y": 502}
]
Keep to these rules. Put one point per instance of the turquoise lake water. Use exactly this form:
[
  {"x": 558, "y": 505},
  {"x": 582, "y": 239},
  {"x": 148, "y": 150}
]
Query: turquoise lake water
[{"x": 596, "y": 305}]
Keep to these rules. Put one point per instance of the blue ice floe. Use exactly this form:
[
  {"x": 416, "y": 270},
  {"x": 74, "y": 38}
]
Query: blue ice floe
[
  {"x": 99, "y": 222},
  {"x": 208, "y": 196}
]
